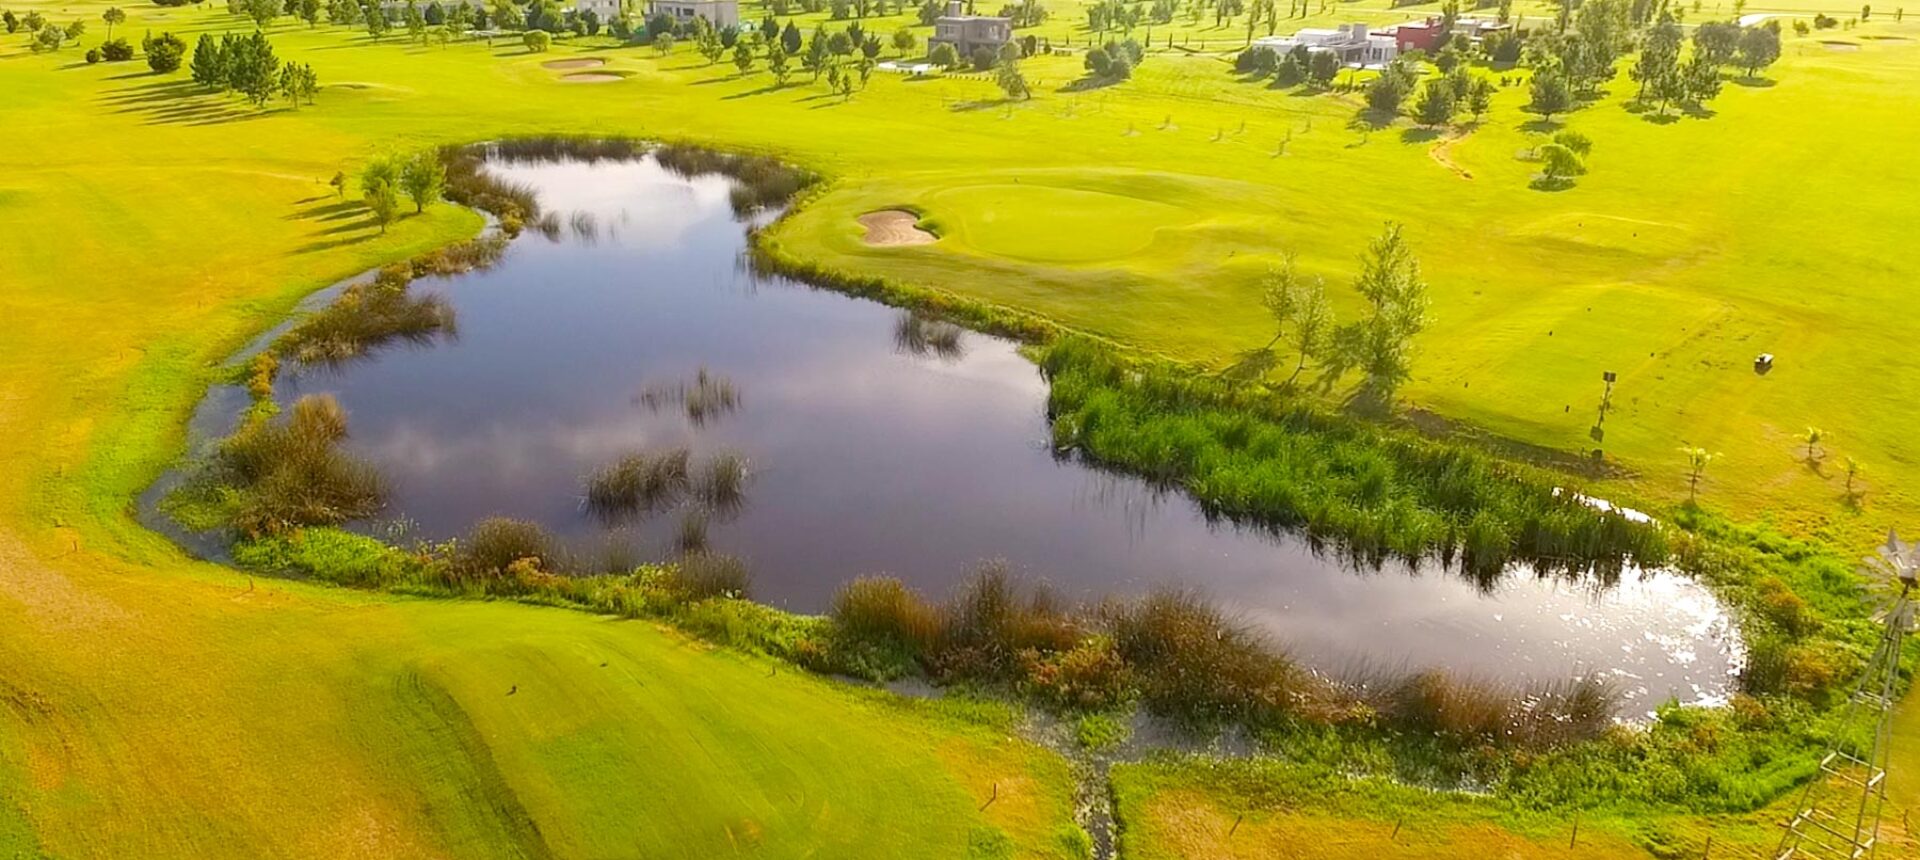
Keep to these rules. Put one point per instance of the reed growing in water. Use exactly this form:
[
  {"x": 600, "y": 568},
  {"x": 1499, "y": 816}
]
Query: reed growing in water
[
  {"x": 916, "y": 333},
  {"x": 639, "y": 485},
  {"x": 367, "y": 316},
  {"x": 287, "y": 473},
  {"x": 706, "y": 398},
  {"x": 760, "y": 181},
  {"x": 1375, "y": 493}
]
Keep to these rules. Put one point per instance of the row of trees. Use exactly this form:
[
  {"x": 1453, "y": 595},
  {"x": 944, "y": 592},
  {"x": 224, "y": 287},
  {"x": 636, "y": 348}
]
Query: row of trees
[
  {"x": 247, "y": 65},
  {"x": 422, "y": 177}
]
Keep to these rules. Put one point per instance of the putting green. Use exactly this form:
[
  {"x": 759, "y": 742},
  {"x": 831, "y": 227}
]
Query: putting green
[{"x": 1050, "y": 224}]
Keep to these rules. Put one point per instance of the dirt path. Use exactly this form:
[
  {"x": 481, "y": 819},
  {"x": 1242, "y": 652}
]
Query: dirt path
[{"x": 1442, "y": 152}]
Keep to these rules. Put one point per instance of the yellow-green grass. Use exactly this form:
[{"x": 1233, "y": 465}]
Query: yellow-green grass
[{"x": 152, "y": 706}]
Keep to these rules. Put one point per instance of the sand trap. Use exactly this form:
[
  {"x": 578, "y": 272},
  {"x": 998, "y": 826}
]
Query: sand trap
[
  {"x": 574, "y": 63},
  {"x": 591, "y": 78},
  {"x": 892, "y": 227},
  {"x": 1841, "y": 46}
]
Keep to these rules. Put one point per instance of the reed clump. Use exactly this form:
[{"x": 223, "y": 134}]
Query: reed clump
[
  {"x": 1376, "y": 493},
  {"x": 1467, "y": 711},
  {"x": 703, "y": 575},
  {"x": 639, "y": 485},
  {"x": 760, "y": 181},
  {"x": 918, "y": 334},
  {"x": 366, "y": 317},
  {"x": 706, "y": 398},
  {"x": 496, "y": 544},
  {"x": 287, "y": 473}
]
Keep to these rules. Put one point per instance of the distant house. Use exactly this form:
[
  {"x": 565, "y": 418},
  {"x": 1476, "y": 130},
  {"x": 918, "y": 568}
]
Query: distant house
[
  {"x": 1427, "y": 35},
  {"x": 1351, "y": 44},
  {"x": 966, "y": 33},
  {"x": 719, "y": 13},
  {"x": 605, "y": 10}
]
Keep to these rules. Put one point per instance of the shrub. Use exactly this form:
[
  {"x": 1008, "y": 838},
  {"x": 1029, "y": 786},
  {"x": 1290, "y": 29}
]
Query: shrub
[
  {"x": 1195, "y": 666},
  {"x": 701, "y": 575},
  {"x": 1091, "y": 676},
  {"x": 291, "y": 473},
  {"x": 1259, "y": 61},
  {"x": 92, "y": 56},
  {"x": 365, "y": 317},
  {"x": 164, "y": 53},
  {"x": 116, "y": 50},
  {"x": 883, "y": 612},
  {"x": 496, "y": 543},
  {"x": 989, "y": 623},
  {"x": 983, "y": 58}
]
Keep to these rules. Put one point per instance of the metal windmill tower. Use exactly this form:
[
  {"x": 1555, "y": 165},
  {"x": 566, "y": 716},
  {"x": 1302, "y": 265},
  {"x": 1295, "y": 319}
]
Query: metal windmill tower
[{"x": 1839, "y": 817}]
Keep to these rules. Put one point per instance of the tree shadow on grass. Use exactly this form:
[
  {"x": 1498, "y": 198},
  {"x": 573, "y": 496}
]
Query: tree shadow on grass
[
  {"x": 1755, "y": 82},
  {"x": 972, "y": 105},
  {"x": 1541, "y": 126},
  {"x": 360, "y": 231},
  {"x": 1551, "y": 183},
  {"x": 329, "y": 212},
  {"x": 1419, "y": 134},
  {"x": 769, "y": 88},
  {"x": 1369, "y": 120},
  {"x": 1087, "y": 84}
]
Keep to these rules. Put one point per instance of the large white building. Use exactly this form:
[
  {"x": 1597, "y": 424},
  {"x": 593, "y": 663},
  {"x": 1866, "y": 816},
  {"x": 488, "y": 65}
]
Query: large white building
[
  {"x": 1353, "y": 44},
  {"x": 719, "y": 13},
  {"x": 605, "y": 10}
]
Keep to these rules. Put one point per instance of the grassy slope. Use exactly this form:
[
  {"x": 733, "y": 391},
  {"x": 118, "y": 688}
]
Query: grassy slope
[{"x": 154, "y": 703}]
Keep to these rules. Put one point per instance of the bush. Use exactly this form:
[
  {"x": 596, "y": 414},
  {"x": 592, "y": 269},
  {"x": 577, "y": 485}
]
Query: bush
[
  {"x": 702, "y": 575},
  {"x": 495, "y": 544},
  {"x": 1091, "y": 676},
  {"x": 164, "y": 53},
  {"x": 92, "y": 56},
  {"x": 1195, "y": 666},
  {"x": 988, "y": 624},
  {"x": 116, "y": 51},
  {"x": 1259, "y": 61},
  {"x": 365, "y": 317},
  {"x": 944, "y": 55},
  {"x": 983, "y": 59},
  {"x": 290, "y": 473}
]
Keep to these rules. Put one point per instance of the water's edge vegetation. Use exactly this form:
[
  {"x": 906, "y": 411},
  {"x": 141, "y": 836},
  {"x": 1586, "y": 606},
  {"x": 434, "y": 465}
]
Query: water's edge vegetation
[{"x": 1244, "y": 451}]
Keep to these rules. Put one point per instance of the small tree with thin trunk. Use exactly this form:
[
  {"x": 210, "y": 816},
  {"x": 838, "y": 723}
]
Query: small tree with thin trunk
[
  {"x": 1697, "y": 461},
  {"x": 113, "y": 16},
  {"x": 423, "y": 178},
  {"x": 1812, "y": 437}
]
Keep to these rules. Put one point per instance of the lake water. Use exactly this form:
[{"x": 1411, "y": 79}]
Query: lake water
[{"x": 871, "y": 452}]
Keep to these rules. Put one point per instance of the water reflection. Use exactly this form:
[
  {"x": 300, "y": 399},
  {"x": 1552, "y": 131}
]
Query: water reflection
[{"x": 878, "y": 441}]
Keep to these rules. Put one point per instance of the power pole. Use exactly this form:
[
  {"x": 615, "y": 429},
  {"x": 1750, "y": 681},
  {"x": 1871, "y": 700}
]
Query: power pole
[{"x": 1839, "y": 817}]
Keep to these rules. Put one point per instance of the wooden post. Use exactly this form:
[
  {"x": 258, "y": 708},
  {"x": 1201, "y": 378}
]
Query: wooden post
[
  {"x": 990, "y": 800},
  {"x": 1704, "y": 855},
  {"x": 1396, "y": 829},
  {"x": 1576, "y": 832},
  {"x": 1236, "y": 825}
]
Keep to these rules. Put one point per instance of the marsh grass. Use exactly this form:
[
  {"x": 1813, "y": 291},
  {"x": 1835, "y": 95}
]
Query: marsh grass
[
  {"x": 1372, "y": 493},
  {"x": 708, "y": 397},
  {"x": 1472, "y": 711},
  {"x": 917, "y": 334},
  {"x": 703, "y": 575},
  {"x": 760, "y": 181},
  {"x": 721, "y": 486},
  {"x": 690, "y": 534},
  {"x": 496, "y": 544},
  {"x": 639, "y": 485},
  {"x": 470, "y": 184},
  {"x": 286, "y": 473},
  {"x": 366, "y": 317}
]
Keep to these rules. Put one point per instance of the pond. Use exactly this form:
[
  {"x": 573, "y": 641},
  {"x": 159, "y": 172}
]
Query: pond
[{"x": 878, "y": 443}]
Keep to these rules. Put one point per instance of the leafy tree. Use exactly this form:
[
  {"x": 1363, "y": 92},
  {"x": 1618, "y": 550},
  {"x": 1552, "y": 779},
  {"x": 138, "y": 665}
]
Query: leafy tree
[
  {"x": 1702, "y": 80},
  {"x": 709, "y": 46},
  {"x": 1097, "y": 62},
  {"x": 209, "y": 67},
  {"x": 790, "y": 39},
  {"x": 49, "y": 39},
  {"x": 308, "y": 11},
  {"x": 839, "y": 44},
  {"x": 434, "y": 14},
  {"x": 1716, "y": 41},
  {"x": 1697, "y": 461},
  {"x": 1551, "y": 94},
  {"x": 262, "y": 11},
  {"x": 1436, "y": 104},
  {"x": 1759, "y": 48},
  {"x": 377, "y": 23},
  {"x": 1573, "y": 140},
  {"x": 1322, "y": 69},
  {"x": 1480, "y": 97},
  {"x": 663, "y": 44},
  {"x": 11, "y": 21},
  {"x": 537, "y": 41},
  {"x": 116, "y": 50},
  {"x": 777, "y": 64},
  {"x": 944, "y": 56},
  {"x": 416, "y": 22},
  {"x": 903, "y": 41},
  {"x": 113, "y": 16},
  {"x": 1659, "y": 62},
  {"x": 379, "y": 188},
  {"x": 1300, "y": 312},
  {"x": 164, "y": 52},
  {"x": 1380, "y": 345},
  {"x": 35, "y": 21},
  {"x": 1558, "y": 165},
  {"x": 983, "y": 58},
  {"x": 339, "y": 183},
  {"x": 743, "y": 57},
  {"x": 252, "y": 68},
  {"x": 1011, "y": 81},
  {"x": 1812, "y": 437},
  {"x": 769, "y": 29},
  {"x": 424, "y": 179},
  {"x": 1387, "y": 91},
  {"x": 76, "y": 29}
]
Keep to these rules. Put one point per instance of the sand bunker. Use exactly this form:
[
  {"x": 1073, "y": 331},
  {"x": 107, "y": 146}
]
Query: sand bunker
[
  {"x": 891, "y": 227},
  {"x": 1841, "y": 46},
  {"x": 591, "y": 78},
  {"x": 574, "y": 63}
]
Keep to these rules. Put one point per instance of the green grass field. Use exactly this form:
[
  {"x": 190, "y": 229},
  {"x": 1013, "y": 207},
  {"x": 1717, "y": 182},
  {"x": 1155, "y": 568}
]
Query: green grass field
[{"x": 152, "y": 706}]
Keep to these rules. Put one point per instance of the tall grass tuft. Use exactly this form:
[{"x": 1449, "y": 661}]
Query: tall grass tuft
[
  {"x": 1197, "y": 666},
  {"x": 365, "y": 317},
  {"x": 990, "y": 620},
  {"x": 1470, "y": 712},
  {"x": 638, "y": 485},
  {"x": 706, "y": 398},
  {"x": 288, "y": 473},
  {"x": 701, "y": 575},
  {"x": 760, "y": 181},
  {"x": 496, "y": 544},
  {"x": 918, "y": 334},
  {"x": 883, "y": 611},
  {"x": 722, "y": 484},
  {"x": 690, "y": 536}
]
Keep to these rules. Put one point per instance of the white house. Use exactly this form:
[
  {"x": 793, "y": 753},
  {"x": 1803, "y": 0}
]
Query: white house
[
  {"x": 719, "y": 13},
  {"x": 1353, "y": 44},
  {"x": 605, "y": 10},
  {"x": 967, "y": 33}
]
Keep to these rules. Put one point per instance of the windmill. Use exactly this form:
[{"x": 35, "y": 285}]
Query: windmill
[{"x": 1839, "y": 812}]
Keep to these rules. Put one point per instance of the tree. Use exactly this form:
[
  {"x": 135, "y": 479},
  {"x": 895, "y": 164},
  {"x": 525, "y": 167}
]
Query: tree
[
  {"x": 1759, "y": 48},
  {"x": 379, "y": 188},
  {"x": 113, "y": 16},
  {"x": 423, "y": 178},
  {"x": 1701, "y": 80},
  {"x": 537, "y": 41},
  {"x": 743, "y": 57},
  {"x": 983, "y": 58},
  {"x": 1558, "y": 165},
  {"x": 1812, "y": 437},
  {"x": 710, "y": 47},
  {"x": 777, "y": 64},
  {"x": 944, "y": 55},
  {"x": 164, "y": 52},
  {"x": 1436, "y": 104},
  {"x": 308, "y": 11},
  {"x": 1697, "y": 461},
  {"x": 790, "y": 39},
  {"x": 839, "y": 44},
  {"x": 1011, "y": 81},
  {"x": 435, "y": 14},
  {"x": 416, "y": 22},
  {"x": 377, "y": 24},
  {"x": 11, "y": 21},
  {"x": 1551, "y": 93},
  {"x": 903, "y": 41},
  {"x": 209, "y": 68},
  {"x": 1659, "y": 62},
  {"x": 1380, "y": 345},
  {"x": 1097, "y": 62},
  {"x": 50, "y": 39},
  {"x": 116, "y": 50},
  {"x": 339, "y": 183},
  {"x": 252, "y": 68},
  {"x": 1322, "y": 69},
  {"x": 815, "y": 60},
  {"x": 262, "y": 11},
  {"x": 306, "y": 84},
  {"x": 1480, "y": 97},
  {"x": 1716, "y": 41},
  {"x": 1387, "y": 91}
]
